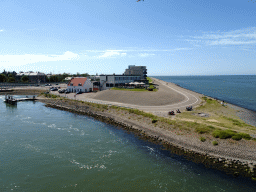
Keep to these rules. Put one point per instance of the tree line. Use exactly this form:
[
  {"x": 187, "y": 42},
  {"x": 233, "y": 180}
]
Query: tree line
[{"x": 10, "y": 77}]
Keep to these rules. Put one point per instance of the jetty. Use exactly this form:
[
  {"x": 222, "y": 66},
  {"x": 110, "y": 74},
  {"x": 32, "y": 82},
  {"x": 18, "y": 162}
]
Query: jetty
[{"x": 13, "y": 101}]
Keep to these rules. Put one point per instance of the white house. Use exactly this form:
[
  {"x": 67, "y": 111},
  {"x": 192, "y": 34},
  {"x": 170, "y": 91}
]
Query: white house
[{"x": 82, "y": 84}]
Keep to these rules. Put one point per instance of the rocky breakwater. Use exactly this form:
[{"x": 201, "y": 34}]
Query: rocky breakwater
[{"x": 235, "y": 166}]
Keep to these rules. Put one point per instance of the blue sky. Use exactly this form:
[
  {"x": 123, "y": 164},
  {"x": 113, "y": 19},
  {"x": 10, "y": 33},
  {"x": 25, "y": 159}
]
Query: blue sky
[{"x": 186, "y": 37}]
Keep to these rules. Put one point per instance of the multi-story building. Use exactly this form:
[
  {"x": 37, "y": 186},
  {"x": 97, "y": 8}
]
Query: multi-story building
[
  {"x": 109, "y": 81},
  {"x": 136, "y": 70},
  {"x": 34, "y": 77}
]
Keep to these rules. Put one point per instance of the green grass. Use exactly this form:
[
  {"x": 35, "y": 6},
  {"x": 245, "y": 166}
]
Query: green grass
[
  {"x": 237, "y": 137},
  {"x": 202, "y": 139},
  {"x": 215, "y": 143},
  {"x": 225, "y": 134},
  {"x": 149, "y": 80},
  {"x": 204, "y": 129}
]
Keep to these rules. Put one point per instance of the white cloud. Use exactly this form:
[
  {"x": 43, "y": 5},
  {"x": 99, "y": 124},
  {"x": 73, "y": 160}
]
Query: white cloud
[
  {"x": 18, "y": 60},
  {"x": 1, "y": 30},
  {"x": 146, "y": 54},
  {"x": 112, "y": 53},
  {"x": 236, "y": 37}
]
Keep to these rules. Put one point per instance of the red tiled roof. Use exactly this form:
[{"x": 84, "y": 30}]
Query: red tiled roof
[{"x": 77, "y": 80}]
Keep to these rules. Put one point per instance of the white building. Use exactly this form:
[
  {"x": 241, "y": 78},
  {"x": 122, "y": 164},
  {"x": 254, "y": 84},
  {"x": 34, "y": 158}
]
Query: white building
[
  {"x": 109, "y": 81},
  {"x": 136, "y": 70},
  {"x": 82, "y": 84}
]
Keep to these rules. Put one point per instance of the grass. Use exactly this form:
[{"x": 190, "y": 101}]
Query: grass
[
  {"x": 149, "y": 80},
  {"x": 204, "y": 129},
  {"x": 215, "y": 143},
  {"x": 202, "y": 139},
  {"x": 225, "y": 134}
]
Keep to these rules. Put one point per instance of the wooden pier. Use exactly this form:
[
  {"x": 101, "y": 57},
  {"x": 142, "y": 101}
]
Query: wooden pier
[{"x": 13, "y": 101}]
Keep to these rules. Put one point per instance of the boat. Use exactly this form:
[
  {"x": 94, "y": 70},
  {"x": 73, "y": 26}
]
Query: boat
[{"x": 10, "y": 100}]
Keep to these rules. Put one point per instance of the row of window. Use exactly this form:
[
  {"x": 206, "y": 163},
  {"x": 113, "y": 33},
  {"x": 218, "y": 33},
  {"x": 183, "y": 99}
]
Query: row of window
[{"x": 126, "y": 78}]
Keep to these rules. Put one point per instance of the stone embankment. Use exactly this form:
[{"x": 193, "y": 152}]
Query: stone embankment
[{"x": 188, "y": 149}]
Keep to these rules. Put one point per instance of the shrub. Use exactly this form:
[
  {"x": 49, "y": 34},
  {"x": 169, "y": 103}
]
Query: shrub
[
  {"x": 154, "y": 120},
  {"x": 245, "y": 136},
  {"x": 215, "y": 143},
  {"x": 237, "y": 137},
  {"x": 202, "y": 130},
  {"x": 202, "y": 139},
  {"x": 223, "y": 134}
]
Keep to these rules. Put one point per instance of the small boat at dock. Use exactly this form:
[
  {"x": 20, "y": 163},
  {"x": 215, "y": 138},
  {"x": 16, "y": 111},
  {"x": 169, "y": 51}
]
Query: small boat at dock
[{"x": 10, "y": 100}]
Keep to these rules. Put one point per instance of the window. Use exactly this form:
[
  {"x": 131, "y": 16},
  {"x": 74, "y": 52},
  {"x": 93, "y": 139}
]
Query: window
[
  {"x": 107, "y": 85},
  {"x": 79, "y": 84},
  {"x": 116, "y": 78}
]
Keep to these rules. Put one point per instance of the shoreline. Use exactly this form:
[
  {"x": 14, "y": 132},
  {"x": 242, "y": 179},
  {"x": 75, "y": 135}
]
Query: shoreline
[{"x": 225, "y": 157}]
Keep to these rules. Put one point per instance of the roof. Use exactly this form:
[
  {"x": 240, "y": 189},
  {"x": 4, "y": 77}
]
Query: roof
[
  {"x": 77, "y": 80},
  {"x": 68, "y": 78}
]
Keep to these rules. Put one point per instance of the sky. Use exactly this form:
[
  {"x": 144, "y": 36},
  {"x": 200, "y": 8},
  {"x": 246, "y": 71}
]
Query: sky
[{"x": 169, "y": 37}]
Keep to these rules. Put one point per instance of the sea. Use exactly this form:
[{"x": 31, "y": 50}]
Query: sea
[
  {"x": 46, "y": 149},
  {"x": 239, "y": 90}
]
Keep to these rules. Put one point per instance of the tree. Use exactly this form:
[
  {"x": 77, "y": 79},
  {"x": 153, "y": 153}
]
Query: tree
[
  {"x": 3, "y": 78},
  {"x": 11, "y": 80},
  {"x": 24, "y": 78}
]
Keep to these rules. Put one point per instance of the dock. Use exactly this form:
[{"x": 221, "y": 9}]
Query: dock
[{"x": 13, "y": 101}]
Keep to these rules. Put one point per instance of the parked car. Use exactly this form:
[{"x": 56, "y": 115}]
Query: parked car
[
  {"x": 189, "y": 108},
  {"x": 61, "y": 90},
  {"x": 67, "y": 91},
  {"x": 47, "y": 84},
  {"x": 171, "y": 113},
  {"x": 54, "y": 89},
  {"x": 56, "y": 84},
  {"x": 79, "y": 92}
]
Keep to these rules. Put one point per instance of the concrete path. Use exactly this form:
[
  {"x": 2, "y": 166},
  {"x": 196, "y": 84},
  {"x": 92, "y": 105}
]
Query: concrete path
[{"x": 191, "y": 99}]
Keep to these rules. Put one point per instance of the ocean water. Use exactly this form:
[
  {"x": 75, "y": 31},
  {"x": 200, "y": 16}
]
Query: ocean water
[{"x": 45, "y": 149}]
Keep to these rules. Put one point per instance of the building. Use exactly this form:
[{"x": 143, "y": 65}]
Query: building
[
  {"x": 136, "y": 70},
  {"x": 82, "y": 84},
  {"x": 109, "y": 81},
  {"x": 34, "y": 77}
]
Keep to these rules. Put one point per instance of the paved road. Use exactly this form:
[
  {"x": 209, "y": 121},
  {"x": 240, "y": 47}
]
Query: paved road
[{"x": 191, "y": 99}]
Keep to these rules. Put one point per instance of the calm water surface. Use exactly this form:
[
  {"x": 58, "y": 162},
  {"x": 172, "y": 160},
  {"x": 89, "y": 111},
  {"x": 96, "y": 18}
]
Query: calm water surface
[{"x": 44, "y": 149}]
